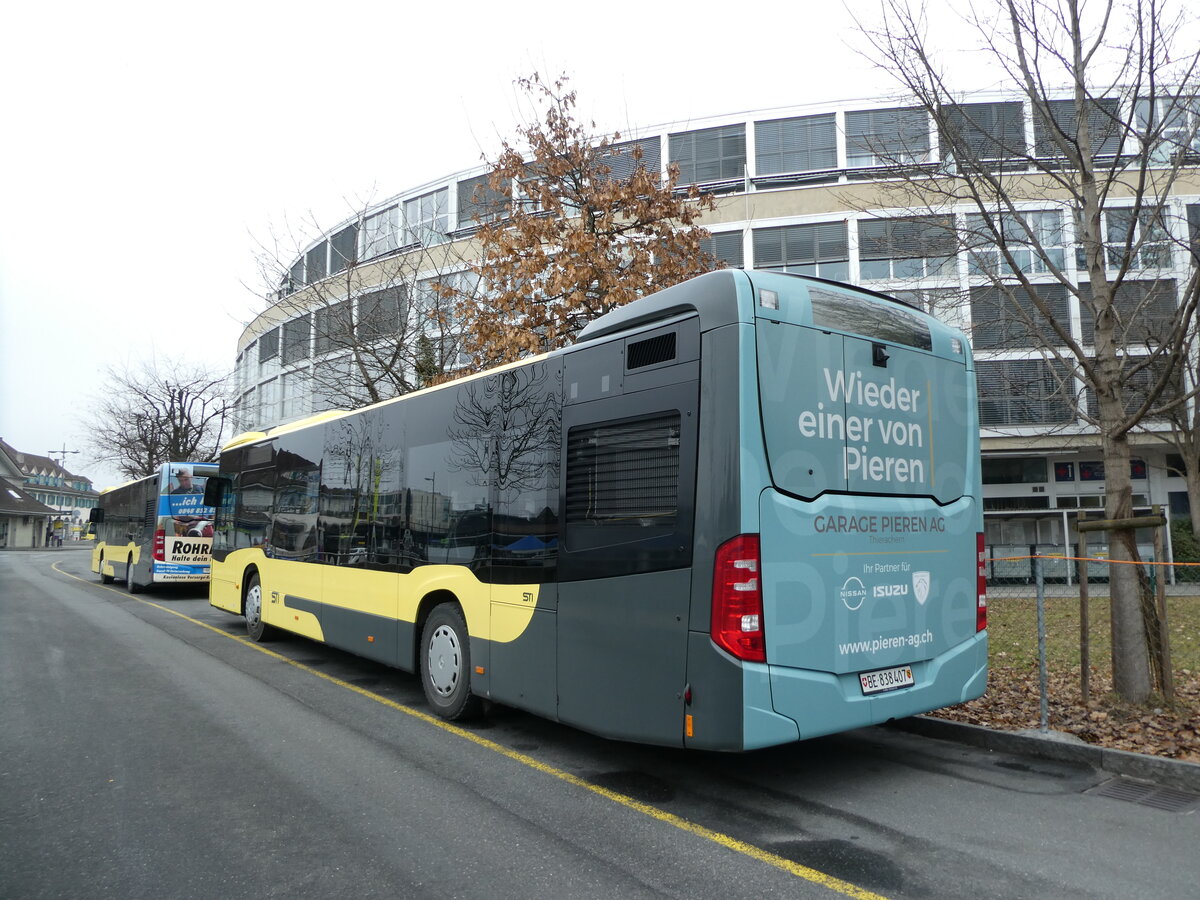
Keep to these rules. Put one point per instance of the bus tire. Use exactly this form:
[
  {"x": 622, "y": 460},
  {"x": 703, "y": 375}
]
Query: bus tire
[
  {"x": 130, "y": 586},
  {"x": 446, "y": 664},
  {"x": 257, "y": 630},
  {"x": 104, "y": 579}
]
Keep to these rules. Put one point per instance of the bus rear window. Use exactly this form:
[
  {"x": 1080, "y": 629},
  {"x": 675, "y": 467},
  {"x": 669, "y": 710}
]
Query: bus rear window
[{"x": 843, "y": 312}]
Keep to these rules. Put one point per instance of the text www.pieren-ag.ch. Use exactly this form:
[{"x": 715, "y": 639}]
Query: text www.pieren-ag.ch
[{"x": 874, "y": 645}]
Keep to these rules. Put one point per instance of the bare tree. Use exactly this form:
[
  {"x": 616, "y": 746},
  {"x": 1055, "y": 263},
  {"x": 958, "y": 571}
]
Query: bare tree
[
  {"x": 1111, "y": 90},
  {"x": 147, "y": 416},
  {"x": 370, "y": 303}
]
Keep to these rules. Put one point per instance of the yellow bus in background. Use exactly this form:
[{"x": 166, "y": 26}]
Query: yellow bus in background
[{"x": 155, "y": 530}]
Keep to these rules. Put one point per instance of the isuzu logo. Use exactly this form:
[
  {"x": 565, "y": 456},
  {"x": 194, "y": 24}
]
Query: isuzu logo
[{"x": 921, "y": 586}]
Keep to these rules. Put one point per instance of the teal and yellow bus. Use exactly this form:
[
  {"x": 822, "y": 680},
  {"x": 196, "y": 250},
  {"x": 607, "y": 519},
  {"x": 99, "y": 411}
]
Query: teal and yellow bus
[
  {"x": 742, "y": 511},
  {"x": 154, "y": 530}
]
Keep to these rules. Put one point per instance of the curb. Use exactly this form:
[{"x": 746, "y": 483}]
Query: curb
[{"x": 1060, "y": 747}]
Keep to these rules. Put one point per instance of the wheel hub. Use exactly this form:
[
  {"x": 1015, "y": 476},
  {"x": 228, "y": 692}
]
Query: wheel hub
[
  {"x": 445, "y": 660},
  {"x": 253, "y": 605}
]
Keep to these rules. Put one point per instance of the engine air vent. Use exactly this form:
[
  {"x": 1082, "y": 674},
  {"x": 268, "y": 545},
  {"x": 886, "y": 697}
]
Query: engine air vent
[{"x": 652, "y": 351}]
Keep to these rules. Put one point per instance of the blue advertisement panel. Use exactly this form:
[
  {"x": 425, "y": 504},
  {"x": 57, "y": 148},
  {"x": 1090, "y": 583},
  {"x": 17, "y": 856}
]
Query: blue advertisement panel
[{"x": 186, "y": 523}]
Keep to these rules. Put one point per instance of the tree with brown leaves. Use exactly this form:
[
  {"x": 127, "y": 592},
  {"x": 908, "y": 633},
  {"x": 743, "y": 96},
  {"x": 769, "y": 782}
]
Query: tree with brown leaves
[{"x": 582, "y": 226}]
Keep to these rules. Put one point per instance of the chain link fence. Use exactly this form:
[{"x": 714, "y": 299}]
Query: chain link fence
[
  {"x": 1049, "y": 614},
  {"x": 1014, "y": 576}
]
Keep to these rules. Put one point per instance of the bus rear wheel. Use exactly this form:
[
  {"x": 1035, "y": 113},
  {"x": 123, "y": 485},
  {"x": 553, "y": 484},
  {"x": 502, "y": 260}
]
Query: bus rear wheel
[
  {"x": 130, "y": 585},
  {"x": 446, "y": 664},
  {"x": 256, "y": 628}
]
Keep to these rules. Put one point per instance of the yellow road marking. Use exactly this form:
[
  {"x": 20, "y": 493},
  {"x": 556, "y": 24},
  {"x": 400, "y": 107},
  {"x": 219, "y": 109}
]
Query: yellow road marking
[{"x": 800, "y": 871}]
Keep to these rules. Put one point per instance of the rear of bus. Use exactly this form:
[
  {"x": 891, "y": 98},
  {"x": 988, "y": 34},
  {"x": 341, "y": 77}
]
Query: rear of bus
[
  {"x": 853, "y": 596},
  {"x": 181, "y": 549}
]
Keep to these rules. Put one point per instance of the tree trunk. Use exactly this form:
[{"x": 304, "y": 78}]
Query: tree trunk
[
  {"x": 1130, "y": 655},
  {"x": 1192, "y": 477}
]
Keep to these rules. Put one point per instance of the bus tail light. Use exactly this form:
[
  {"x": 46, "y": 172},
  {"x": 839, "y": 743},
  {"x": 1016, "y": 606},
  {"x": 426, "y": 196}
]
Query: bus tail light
[
  {"x": 980, "y": 584},
  {"x": 737, "y": 608},
  {"x": 160, "y": 545}
]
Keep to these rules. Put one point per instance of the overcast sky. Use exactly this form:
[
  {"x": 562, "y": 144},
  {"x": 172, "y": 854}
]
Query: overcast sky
[{"x": 151, "y": 149}]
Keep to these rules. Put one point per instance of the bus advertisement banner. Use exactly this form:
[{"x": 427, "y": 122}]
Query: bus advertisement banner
[{"x": 186, "y": 524}]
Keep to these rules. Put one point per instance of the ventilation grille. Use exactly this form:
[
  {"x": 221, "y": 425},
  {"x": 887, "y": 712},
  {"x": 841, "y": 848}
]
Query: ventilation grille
[
  {"x": 658, "y": 349},
  {"x": 151, "y": 517},
  {"x": 1164, "y": 798},
  {"x": 624, "y": 474}
]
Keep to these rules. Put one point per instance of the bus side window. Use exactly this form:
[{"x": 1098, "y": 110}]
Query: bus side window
[{"x": 253, "y": 512}]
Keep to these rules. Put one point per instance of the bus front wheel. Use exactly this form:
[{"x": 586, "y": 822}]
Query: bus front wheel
[
  {"x": 446, "y": 664},
  {"x": 104, "y": 579},
  {"x": 256, "y": 628}
]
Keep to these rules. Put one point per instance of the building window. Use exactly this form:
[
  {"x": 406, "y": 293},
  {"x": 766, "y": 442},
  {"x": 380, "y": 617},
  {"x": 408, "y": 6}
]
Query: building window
[
  {"x": 908, "y": 248},
  {"x": 268, "y": 346},
  {"x": 726, "y": 247},
  {"x": 380, "y": 233},
  {"x": 940, "y": 302},
  {"x": 1105, "y": 127},
  {"x": 379, "y": 313},
  {"x": 331, "y": 384},
  {"x": 247, "y": 355},
  {"x": 295, "y": 279},
  {"x": 1136, "y": 384},
  {"x": 1193, "y": 221},
  {"x": 819, "y": 250},
  {"x": 479, "y": 203},
  {"x": 295, "y": 390},
  {"x": 1145, "y": 310},
  {"x": 249, "y": 410},
  {"x": 1023, "y": 392},
  {"x": 711, "y": 154},
  {"x": 268, "y": 401},
  {"x": 795, "y": 145},
  {"x": 342, "y": 246},
  {"x": 981, "y": 131},
  {"x": 297, "y": 335},
  {"x": 1144, "y": 240},
  {"x": 427, "y": 218},
  {"x": 1000, "y": 322},
  {"x": 315, "y": 263},
  {"x": 1175, "y": 120},
  {"x": 333, "y": 327},
  {"x": 883, "y": 137},
  {"x": 623, "y": 159},
  {"x": 1033, "y": 239}
]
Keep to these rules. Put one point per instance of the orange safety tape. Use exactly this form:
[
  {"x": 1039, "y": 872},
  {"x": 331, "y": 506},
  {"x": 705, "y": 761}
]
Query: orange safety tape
[{"x": 1095, "y": 559}]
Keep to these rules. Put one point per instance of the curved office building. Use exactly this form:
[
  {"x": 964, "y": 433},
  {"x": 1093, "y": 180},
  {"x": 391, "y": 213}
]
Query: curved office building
[{"x": 809, "y": 189}]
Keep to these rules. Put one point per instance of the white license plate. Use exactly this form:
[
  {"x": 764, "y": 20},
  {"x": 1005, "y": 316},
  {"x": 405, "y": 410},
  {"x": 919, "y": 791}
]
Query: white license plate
[{"x": 886, "y": 679}]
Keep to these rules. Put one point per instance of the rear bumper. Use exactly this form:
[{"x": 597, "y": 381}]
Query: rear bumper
[{"x": 825, "y": 703}]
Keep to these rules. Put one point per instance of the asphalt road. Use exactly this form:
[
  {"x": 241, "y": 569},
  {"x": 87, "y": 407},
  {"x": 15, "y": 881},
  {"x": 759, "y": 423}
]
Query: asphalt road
[{"x": 148, "y": 750}]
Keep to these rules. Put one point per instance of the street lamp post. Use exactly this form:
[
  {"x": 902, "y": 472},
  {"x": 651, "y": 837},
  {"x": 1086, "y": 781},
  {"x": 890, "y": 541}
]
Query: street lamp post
[{"x": 62, "y": 464}]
